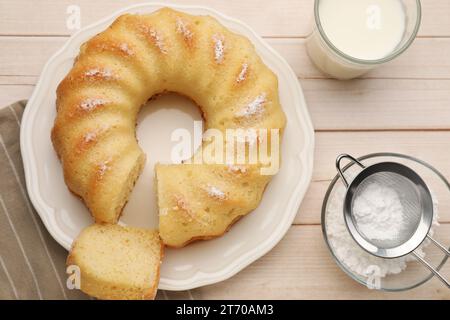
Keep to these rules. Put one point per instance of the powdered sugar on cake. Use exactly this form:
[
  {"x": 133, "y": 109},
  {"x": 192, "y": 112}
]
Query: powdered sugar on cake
[
  {"x": 155, "y": 37},
  {"x": 255, "y": 107},
  {"x": 97, "y": 72},
  {"x": 243, "y": 74},
  {"x": 103, "y": 167},
  {"x": 219, "y": 47},
  {"x": 158, "y": 40},
  {"x": 125, "y": 48},
  {"x": 90, "y": 136},
  {"x": 216, "y": 192},
  {"x": 91, "y": 104},
  {"x": 182, "y": 205},
  {"x": 163, "y": 212},
  {"x": 183, "y": 29},
  {"x": 236, "y": 169}
]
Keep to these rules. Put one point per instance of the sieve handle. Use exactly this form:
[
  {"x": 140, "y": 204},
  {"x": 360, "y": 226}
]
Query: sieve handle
[
  {"x": 433, "y": 270},
  {"x": 440, "y": 246},
  {"x": 339, "y": 168}
]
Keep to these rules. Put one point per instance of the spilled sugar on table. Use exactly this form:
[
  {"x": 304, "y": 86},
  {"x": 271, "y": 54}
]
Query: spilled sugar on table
[{"x": 403, "y": 106}]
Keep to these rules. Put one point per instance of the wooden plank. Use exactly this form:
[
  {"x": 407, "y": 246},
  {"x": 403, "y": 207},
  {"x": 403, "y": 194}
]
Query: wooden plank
[
  {"x": 378, "y": 104},
  {"x": 18, "y": 80},
  {"x": 301, "y": 267},
  {"x": 48, "y": 17},
  {"x": 287, "y": 18},
  {"x": 426, "y": 145},
  {"x": 13, "y": 93},
  {"x": 435, "y": 20},
  {"x": 26, "y": 56},
  {"x": 426, "y": 59}
]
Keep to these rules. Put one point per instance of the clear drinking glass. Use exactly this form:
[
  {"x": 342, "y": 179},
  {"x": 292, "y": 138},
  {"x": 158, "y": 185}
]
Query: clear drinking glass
[{"x": 336, "y": 63}]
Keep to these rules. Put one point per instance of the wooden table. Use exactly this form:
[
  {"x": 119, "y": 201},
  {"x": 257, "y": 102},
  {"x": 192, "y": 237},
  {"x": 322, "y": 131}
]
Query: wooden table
[{"x": 403, "y": 106}]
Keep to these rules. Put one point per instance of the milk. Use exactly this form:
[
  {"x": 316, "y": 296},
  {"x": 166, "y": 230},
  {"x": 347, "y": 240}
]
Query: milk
[{"x": 366, "y": 30}]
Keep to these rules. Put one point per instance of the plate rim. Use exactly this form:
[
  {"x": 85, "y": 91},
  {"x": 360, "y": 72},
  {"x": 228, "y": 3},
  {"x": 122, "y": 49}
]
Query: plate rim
[{"x": 199, "y": 278}]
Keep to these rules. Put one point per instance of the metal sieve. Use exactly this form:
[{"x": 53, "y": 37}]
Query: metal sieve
[{"x": 417, "y": 215}]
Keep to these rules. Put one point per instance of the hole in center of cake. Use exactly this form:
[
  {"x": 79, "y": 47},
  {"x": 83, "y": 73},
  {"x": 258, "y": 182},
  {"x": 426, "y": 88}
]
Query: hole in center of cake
[{"x": 158, "y": 120}]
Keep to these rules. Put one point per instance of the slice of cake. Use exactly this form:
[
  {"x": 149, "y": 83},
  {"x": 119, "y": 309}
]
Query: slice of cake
[{"x": 117, "y": 262}]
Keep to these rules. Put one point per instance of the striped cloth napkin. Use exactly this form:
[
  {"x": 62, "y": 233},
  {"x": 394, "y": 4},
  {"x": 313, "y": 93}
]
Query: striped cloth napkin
[{"x": 32, "y": 263}]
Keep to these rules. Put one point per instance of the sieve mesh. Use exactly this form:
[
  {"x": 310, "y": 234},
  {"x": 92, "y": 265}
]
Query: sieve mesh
[{"x": 400, "y": 228}]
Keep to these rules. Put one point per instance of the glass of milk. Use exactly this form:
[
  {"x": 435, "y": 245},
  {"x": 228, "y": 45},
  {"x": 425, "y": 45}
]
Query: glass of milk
[{"x": 351, "y": 37}]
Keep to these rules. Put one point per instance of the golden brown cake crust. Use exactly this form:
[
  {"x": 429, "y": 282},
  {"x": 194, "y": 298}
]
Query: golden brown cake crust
[{"x": 209, "y": 237}]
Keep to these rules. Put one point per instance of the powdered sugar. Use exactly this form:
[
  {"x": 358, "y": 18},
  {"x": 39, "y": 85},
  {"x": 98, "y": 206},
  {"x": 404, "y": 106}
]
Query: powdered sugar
[
  {"x": 216, "y": 192},
  {"x": 125, "y": 48},
  {"x": 219, "y": 47},
  {"x": 350, "y": 253},
  {"x": 158, "y": 40},
  {"x": 90, "y": 136},
  {"x": 154, "y": 36},
  {"x": 255, "y": 107},
  {"x": 183, "y": 29},
  {"x": 164, "y": 212},
  {"x": 90, "y": 104},
  {"x": 98, "y": 72},
  {"x": 182, "y": 205},
  {"x": 236, "y": 169},
  {"x": 243, "y": 74},
  {"x": 93, "y": 134},
  {"x": 379, "y": 212},
  {"x": 103, "y": 167}
]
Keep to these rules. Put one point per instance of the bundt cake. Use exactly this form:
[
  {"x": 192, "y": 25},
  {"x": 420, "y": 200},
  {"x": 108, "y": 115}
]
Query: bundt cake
[
  {"x": 116, "y": 262},
  {"x": 117, "y": 71}
]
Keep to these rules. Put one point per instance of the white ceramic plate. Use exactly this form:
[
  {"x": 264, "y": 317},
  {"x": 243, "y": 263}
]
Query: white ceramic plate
[{"x": 204, "y": 262}]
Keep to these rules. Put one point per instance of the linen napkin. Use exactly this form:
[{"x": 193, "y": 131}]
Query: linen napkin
[{"x": 32, "y": 263}]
